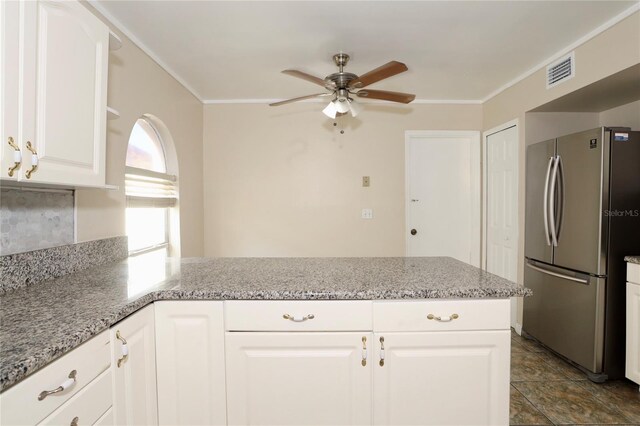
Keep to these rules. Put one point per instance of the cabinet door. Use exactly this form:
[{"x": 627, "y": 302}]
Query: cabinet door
[
  {"x": 633, "y": 332},
  {"x": 298, "y": 379},
  {"x": 190, "y": 361},
  {"x": 135, "y": 400},
  {"x": 9, "y": 71},
  {"x": 65, "y": 87},
  {"x": 442, "y": 378}
]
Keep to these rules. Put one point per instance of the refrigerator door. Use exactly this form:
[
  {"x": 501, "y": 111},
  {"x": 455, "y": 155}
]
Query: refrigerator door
[
  {"x": 566, "y": 312},
  {"x": 539, "y": 166},
  {"x": 579, "y": 200}
]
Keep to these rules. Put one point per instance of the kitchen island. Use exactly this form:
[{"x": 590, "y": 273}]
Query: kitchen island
[{"x": 363, "y": 296}]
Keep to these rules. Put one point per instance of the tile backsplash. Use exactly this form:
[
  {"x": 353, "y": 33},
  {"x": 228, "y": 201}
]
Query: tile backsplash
[{"x": 31, "y": 220}]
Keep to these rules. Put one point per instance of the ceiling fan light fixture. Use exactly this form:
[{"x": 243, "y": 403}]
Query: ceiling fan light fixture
[
  {"x": 330, "y": 110},
  {"x": 342, "y": 105},
  {"x": 354, "y": 107}
]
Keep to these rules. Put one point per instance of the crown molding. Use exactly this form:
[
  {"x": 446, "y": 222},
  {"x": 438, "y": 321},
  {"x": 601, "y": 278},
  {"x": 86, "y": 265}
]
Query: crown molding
[
  {"x": 135, "y": 40},
  {"x": 582, "y": 40},
  {"x": 315, "y": 101}
]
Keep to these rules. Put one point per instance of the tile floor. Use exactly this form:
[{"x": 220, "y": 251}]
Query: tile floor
[{"x": 546, "y": 390}]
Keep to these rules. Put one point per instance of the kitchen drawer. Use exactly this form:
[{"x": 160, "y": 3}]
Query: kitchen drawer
[
  {"x": 19, "y": 405},
  {"x": 106, "y": 419},
  {"x": 476, "y": 314},
  {"x": 633, "y": 273},
  {"x": 302, "y": 315},
  {"x": 87, "y": 405}
]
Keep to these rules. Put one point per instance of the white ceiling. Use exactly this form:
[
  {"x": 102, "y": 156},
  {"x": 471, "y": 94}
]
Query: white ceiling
[{"x": 454, "y": 50}]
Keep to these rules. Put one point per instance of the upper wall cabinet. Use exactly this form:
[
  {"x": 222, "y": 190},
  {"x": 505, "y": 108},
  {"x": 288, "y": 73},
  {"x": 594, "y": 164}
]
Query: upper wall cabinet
[{"x": 54, "y": 93}]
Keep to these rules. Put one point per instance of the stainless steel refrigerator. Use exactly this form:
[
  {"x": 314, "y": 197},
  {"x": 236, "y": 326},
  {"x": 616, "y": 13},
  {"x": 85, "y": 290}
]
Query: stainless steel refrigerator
[{"x": 582, "y": 217}]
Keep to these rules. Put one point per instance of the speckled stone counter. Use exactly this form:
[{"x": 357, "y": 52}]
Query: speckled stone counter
[
  {"x": 632, "y": 259},
  {"x": 42, "y": 322}
]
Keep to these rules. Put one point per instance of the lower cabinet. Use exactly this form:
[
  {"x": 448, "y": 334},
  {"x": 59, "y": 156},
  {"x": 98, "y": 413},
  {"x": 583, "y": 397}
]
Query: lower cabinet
[
  {"x": 190, "y": 363},
  {"x": 298, "y": 378},
  {"x": 442, "y": 378},
  {"x": 133, "y": 349},
  {"x": 633, "y": 323}
]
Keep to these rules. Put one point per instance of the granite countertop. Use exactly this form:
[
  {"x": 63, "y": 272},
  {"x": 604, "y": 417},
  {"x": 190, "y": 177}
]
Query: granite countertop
[
  {"x": 40, "y": 323},
  {"x": 632, "y": 259}
]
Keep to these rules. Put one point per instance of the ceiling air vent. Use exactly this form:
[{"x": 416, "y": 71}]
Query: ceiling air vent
[{"x": 561, "y": 70}]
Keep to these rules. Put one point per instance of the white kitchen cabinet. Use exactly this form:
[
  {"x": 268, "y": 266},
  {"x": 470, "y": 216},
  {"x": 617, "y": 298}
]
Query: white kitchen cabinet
[
  {"x": 446, "y": 362},
  {"x": 633, "y": 323},
  {"x": 441, "y": 378},
  {"x": 298, "y": 378},
  {"x": 78, "y": 382},
  {"x": 133, "y": 351},
  {"x": 190, "y": 362},
  {"x": 54, "y": 92}
]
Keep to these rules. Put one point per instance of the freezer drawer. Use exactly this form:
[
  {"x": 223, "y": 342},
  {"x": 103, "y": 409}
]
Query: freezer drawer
[{"x": 564, "y": 314}]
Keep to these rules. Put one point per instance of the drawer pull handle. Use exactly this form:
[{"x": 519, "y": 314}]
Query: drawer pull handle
[
  {"x": 381, "y": 351},
  {"x": 364, "y": 351},
  {"x": 296, "y": 318},
  {"x": 34, "y": 160},
  {"x": 65, "y": 385},
  {"x": 445, "y": 319},
  {"x": 124, "y": 348},
  {"x": 74, "y": 422},
  {"x": 17, "y": 157}
]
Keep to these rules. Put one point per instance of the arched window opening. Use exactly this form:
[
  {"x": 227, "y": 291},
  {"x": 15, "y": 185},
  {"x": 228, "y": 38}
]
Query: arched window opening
[{"x": 151, "y": 192}]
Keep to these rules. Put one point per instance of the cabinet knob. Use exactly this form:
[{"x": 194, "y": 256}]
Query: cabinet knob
[
  {"x": 74, "y": 422},
  {"x": 414, "y": 232},
  {"x": 34, "y": 160},
  {"x": 65, "y": 385},
  {"x": 17, "y": 156}
]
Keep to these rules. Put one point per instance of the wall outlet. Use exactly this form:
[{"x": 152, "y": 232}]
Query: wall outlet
[
  {"x": 366, "y": 181},
  {"x": 367, "y": 213}
]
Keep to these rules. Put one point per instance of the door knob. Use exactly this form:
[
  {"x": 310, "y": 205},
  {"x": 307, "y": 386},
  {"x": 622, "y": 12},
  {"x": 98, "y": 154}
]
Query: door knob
[{"x": 414, "y": 232}]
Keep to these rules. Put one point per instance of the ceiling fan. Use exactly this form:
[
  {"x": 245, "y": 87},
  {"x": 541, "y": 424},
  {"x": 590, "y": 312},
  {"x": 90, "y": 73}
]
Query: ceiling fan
[{"x": 342, "y": 86}]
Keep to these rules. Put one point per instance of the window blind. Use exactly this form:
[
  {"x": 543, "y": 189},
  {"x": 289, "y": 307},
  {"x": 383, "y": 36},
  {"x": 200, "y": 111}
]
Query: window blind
[{"x": 146, "y": 188}]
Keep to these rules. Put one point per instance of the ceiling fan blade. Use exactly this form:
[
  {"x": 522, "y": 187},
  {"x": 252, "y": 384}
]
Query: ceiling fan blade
[
  {"x": 383, "y": 95},
  {"x": 301, "y": 98},
  {"x": 313, "y": 79},
  {"x": 385, "y": 71}
]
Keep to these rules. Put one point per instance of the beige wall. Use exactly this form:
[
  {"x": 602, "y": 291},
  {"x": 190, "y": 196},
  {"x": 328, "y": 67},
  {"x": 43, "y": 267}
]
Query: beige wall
[
  {"x": 284, "y": 181},
  {"x": 137, "y": 86},
  {"x": 609, "y": 52},
  {"x": 623, "y": 116}
]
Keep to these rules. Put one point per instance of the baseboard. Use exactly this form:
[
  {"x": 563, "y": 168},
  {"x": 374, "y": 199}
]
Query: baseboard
[{"x": 518, "y": 329}]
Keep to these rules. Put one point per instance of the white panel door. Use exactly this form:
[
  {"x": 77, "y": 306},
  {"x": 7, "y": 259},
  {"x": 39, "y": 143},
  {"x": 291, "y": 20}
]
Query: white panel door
[
  {"x": 443, "y": 195},
  {"x": 442, "y": 378},
  {"x": 190, "y": 362},
  {"x": 9, "y": 72},
  {"x": 502, "y": 203},
  {"x": 135, "y": 391},
  {"x": 65, "y": 75},
  {"x": 298, "y": 379},
  {"x": 501, "y": 215}
]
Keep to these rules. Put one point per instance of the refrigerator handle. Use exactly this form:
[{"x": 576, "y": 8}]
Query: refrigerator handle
[
  {"x": 545, "y": 202},
  {"x": 552, "y": 203},
  {"x": 561, "y": 198},
  {"x": 556, "y": 274}
]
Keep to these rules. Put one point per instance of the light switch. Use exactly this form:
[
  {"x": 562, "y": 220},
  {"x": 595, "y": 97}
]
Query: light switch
[
  {"x": 367, "y": 213},
  {"x": 365, "y": 181}
]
